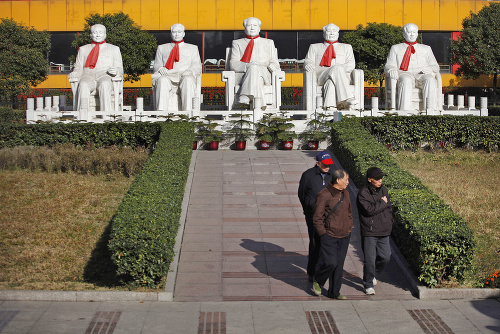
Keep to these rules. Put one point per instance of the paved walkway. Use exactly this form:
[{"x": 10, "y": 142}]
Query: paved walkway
[{"x": 242, "y": 270}]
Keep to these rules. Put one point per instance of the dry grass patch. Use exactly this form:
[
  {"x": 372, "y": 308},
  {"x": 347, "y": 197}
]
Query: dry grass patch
[
  {"x": 469, "y": 182},
  {"x": 54, "y": 227}
]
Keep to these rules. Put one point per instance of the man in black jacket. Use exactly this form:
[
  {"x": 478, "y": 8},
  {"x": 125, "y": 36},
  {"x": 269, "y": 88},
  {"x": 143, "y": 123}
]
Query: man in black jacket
[
  {"x": 311, "y": 183},
  {"x": 375, "y": 216}
]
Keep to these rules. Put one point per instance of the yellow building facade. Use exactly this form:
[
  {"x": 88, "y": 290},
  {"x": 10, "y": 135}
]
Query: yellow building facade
[{"x": 276, "y": 15}]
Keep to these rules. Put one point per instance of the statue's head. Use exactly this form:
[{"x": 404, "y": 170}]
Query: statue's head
[
  {"x": 331, "y": 32},
  {"x": 98, "y": 33},
  {"x": 252, "y": 26},
  {"x": 177, "y": 32},
  {"x": 410, "y": 32}
]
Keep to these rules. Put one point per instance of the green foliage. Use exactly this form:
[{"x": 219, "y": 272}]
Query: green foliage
[
  {"x": 206, "y": 131},
  {"x": 371, "y": 45},
  {"x": 403, "y": 132},
  {"x": 317, "y": 128},
  {"x": 477, "y": 50},
  {"x": 275, "y": 128},
  {"x": 80, "y": 134},
  {"x": 240, "y": 128},
  {"x": 137, "y": 46},
  {"x": 145, "y": 226},
  {"x": 437, "y": 243},
  {"x": 8, "y": 115},
  {"x": 24, "y": 58}
]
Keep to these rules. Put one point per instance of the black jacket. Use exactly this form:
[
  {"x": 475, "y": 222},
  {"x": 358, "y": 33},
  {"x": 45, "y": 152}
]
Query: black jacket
[
  {"x": 311, "y": 183},
  {"x": 375, "y": 215}
]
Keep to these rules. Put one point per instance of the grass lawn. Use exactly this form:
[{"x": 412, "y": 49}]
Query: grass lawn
[{"x": 469, "y": 182}]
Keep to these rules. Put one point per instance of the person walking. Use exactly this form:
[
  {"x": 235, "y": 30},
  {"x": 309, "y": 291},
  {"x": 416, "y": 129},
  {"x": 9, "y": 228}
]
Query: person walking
[
  {"x": 375, "y": 216},
  {"x": 333, "y": 223},
  {"x": 311, "y": 182}
]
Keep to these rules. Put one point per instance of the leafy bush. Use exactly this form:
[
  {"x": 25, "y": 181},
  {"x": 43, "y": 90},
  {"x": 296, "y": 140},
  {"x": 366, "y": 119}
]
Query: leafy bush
[
  {"x": 437, "y": 243},
  {"x": 145, "y": 226},
  {"x": 8, "y": 115},
  {"x": 88, "y": 134}
]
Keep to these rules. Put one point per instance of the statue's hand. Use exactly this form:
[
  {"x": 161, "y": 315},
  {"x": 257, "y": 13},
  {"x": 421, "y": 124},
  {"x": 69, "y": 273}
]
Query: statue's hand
[
  {"x": 73, "y": 75},
  {"x": 426, "y": 70},
  {"x": 393, "y": 74},
  {"x": 309, "y": 67},
  {"x": 113, "y": 71},
  {"x": 186, "y": 73},
  {"x": 273, "y": 67},
  {"x": 163, "y": 70}
]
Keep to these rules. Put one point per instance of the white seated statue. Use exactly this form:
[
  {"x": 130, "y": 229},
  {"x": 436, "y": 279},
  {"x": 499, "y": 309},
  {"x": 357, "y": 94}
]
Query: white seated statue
[
  {"x": 98, "y": 70},
  {"x": 412, "y": 75},
  {"x": 177, "y": 74},
  {"x": 330, "y": 79},
  {"x": 254, "y": 68}
]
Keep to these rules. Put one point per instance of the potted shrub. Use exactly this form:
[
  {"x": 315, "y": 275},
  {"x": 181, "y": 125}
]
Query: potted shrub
[
  {"x": 273, "y": 128},
  {"x": 208, "y": 133},
  {"x": 240, "y": 130},
  {"x": 317, "y": 130}
]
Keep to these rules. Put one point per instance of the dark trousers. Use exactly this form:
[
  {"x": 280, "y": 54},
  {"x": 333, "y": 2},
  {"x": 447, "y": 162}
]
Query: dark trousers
[
  {"x": 314, "y": 247},
  {"x": 377, "y": 252},
  {"x": 331, "y": 262}
]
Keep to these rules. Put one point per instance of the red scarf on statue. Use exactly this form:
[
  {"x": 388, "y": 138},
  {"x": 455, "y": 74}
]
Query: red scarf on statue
[
  {"x": 328, "y": 55},
  {"x": 93, "y": 55},
  {"x": 406, "y": 58},
  {"x": 174, "y": 56},
  {"x": 248, "y": 51}
]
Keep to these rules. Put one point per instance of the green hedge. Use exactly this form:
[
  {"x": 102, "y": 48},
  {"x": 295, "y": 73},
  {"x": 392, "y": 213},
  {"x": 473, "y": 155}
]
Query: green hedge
[
  {"x": 80, "y": 134},
  {"x": 437, "y": 243},
  {"x": 145, "y": 226},
  {"x": 415, "y": 131}
]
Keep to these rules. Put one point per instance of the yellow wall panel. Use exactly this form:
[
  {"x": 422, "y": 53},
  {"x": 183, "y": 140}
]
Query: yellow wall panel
[
  {"x": 169, "y": 14},
  {"x": 246, "y": 9},
  {"x": 211, "y": 80},
  {"x": 356, "y": 13},
  {"x": 6, "y": 9},
  {"x": 21, "y": 12},
  {"x": 448, "y": 14},
  {"x": 207, "y": 14},
  {"x": 94, "y": 7},
  {"x": 464, "y": 9},
  {"x": 430, "y": 15},
  {"x": 375, "y": 10},
  {"x": 301, "y": 15},
  {"x": 112, "y": 6},
  {"x": 393, "y": 13},
  {"x": 337, "y": 13},
  {"x": 55, "y": 81},
  {"x": 39, "y": 15},
  {"x": 282, "y": 15},
  {"x": 133, "y": 9},
  {"x": 412, "y": 12},
  {"x": 57, "y": 15},
  {"x": 150, "y": 18},
  {"x": 75, "y": 16},
  {"x": 319, "y": 14},
  {"x": 188, "y": 13},
  {"x": 262, "y": 9},
  {"x": 225, "y": 15}
]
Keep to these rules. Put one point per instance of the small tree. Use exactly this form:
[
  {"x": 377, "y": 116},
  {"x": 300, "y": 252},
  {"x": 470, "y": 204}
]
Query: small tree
[
  {"x": 371, "y": 45},
  {"x": 24, "y": 58},
  {"x": 477, "y": 49},
  {"x": 137, "y": 46}
]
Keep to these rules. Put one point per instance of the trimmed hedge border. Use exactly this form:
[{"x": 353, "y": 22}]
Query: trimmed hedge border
[
  {"x": 437, "y": 243},
  {"x": 145, "y": 226}
]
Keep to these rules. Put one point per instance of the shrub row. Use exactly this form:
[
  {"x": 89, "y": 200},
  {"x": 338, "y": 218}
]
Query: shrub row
[
  {"x": 415, "y": 131},
  {"x": 80, "y": 134},
  {"x": 144, "y": 229},
  {"x": 437, "y": 243}
]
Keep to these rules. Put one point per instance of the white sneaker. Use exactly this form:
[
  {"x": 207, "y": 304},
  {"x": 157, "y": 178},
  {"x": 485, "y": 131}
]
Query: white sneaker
[
  {"x": 370, "y": 291},
  {"x": 374, "y": 281}
]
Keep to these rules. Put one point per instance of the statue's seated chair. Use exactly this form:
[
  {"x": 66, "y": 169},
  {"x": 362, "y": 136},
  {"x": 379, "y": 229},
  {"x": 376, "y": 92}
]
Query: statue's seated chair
[
  {"x": 312, "y": 96},
  {"x": 417, "y": 97},
  {"x": 93, "y": 103},
  {"x": 174, "y": 102},
  {"x": 272, "y": 93}
]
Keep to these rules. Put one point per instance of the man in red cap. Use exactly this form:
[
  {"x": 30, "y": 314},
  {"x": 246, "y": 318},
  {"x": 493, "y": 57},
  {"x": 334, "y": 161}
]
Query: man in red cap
[{"x": 313, "y": 181}]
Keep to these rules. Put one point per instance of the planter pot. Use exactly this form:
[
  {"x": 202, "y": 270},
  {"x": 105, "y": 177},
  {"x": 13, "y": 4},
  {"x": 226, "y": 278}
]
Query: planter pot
[
  {"x": 195, "y": 145},
  {"x": 240, "y": 145},
  {"x": 213, "y": 146},
  {"x": 287, "y": 145},
  {"x": 264, "y": 145},
  {"x": 313, "y": 144}
]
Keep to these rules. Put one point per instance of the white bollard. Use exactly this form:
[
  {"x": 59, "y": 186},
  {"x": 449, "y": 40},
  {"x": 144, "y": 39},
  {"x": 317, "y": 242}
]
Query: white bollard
[
  {"x": 140, "y": 104},
  {"x": 55, "y": 103},
  {"x": 484, "y": 106},
  {"x": 48, "y": 103},
  {"x": 30, "y": 111},
  {"x": 472, "y": 102},
  {"x": 39, "y": 104},
  {"x": 30, "y": 103},
  {"x": 450, "y": 100},
  {"x": 460, "y": 101}
]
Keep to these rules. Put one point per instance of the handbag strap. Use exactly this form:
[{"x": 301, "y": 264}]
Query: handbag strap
[{"x": 335, "y": 207}]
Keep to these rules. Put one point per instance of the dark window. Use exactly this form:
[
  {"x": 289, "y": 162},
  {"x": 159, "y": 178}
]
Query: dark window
[{"x": 439, "y": 42}]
